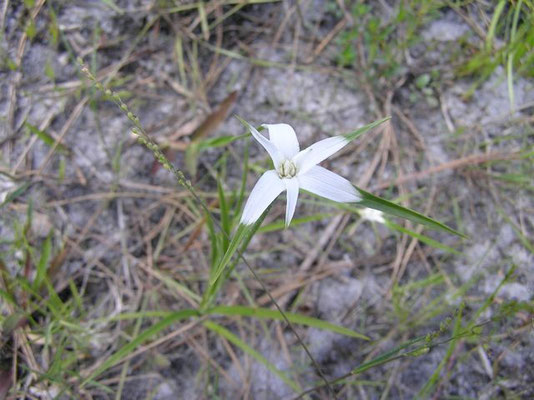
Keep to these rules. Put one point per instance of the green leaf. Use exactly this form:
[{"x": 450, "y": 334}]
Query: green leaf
[
  {"x": 294, "y": 318},
  {"x": 220, "y": 141},
  {"x": 222, "y": 271},
  {"x": 387, "y": 356},
  {"x": 31, "y": 30},
  {"x": 422, "y": 238},
  {"x": 49, "y": 71},
  {"x": 138, "y": 340},
  {"x": 243, "y": 186},
  {"x": 280, "y": 225},
  {"x": 16, "y": 193},
  {"x": 225, "y": 214},
  {"x": 232, "y": 247},
  {"x": 12, "y": 322},
  {"x": 377, "y": 203},
  {"x": 42, "y": 266},
  {"x": 46, "y": 138},
  {"x": 427, "y": 389},
  {"x": 250, "y": 351},
  {"x": 353, "y": 135},
  {"x": 191, "y": 157}
]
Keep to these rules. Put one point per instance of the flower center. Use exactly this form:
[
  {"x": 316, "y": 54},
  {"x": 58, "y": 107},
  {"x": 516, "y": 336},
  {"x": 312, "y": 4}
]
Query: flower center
[{"x": 287, "y": 169}]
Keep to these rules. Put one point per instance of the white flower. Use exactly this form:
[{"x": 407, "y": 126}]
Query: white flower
[
  {"x": 295, "y": 170},
  {"x": 372, "y": 215}
]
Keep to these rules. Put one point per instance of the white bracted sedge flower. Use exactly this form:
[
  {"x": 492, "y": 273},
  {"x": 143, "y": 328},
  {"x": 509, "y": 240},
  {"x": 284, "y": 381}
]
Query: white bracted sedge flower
[
  {"x": 372, "y": 215},
  {"x": 296, "y": 169}
]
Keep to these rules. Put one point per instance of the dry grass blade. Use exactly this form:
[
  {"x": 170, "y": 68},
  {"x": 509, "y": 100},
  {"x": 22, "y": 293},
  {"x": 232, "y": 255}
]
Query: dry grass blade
[{"x": 473, "y": 159}]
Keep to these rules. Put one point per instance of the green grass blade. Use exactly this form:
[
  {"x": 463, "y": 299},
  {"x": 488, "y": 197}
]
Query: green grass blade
[
  {"x": 16, "y": 193},
  {"x": 426, "y": 390},
  {"x": 265, "y": 313},
  {"x": 241, "y": 238},
  {"x": 377, "y": 203},
  {"x": 42, "y": 265},
  {"x": 422, "y": 238},
  {"x": 353, "y": 135},
  {"x": 281, "y": 225},
  {"x": 46, "y": 138},
  {"x": 138, "y": 340},
  {"x": 220, "y": 141},
  {"x": 225, "y": 215},
  {"x": 191, "y": 158},
  {"x": 175, "y": 285},
  {"x": 510, "y": 61},
  {"x": 253, "y": 353},
  {"x": 215, "y": 242},
  {"x": 387, "y": 356},
  {"x": 493, "y": 25},
  {"x": 243, "y": 186},
  {"x": 232, "y": 247}
]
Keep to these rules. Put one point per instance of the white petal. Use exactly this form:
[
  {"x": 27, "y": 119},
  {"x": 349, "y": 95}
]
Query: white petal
[
  {"x": 268, "y": 187},
  {"x": 267, "y": 145},
  {"x": 284, "y": 138},
  {"x": 292, "y": 186},
  {"x": 326, "y": 184},
  {"x": 318, "y": 152}
]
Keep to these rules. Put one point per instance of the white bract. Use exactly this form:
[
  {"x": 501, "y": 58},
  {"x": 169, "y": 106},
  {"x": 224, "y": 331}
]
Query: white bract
[
  {"x": 372, "y": 215},
  {"x": 294, "y": 170}
]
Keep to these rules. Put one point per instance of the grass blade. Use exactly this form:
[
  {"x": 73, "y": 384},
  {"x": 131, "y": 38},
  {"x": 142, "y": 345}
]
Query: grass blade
[
  {"x": 46, "y": 138},
  {"x": 422, "y": 238},
  {"x": 225, "y": 215},
  {"x": 377, "y": 203},
  {"x": 250, "y": 351},
  {"x": 265, "y": 313},
  {"x": 431, "y": 383},
  {"x": 16, "y": 193},
  {"x": 220, "y": 141},
  {"x": 138, "y": 340},
  {"x": 46, "y": 250},
  {"x": 353, "y": 135}
]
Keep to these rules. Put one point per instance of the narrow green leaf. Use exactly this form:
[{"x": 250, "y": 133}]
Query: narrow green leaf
[
  {"x": 493, "y": 25},
  {"x": 353, "y": 135},
  {"x": 215, "y": 243},
  {"x": 243, "y": 186},
  {"x": 265, "y": 313},
  {"x": 377, "y": 203},
  {"x": 222, "y": 271},
  {"x": 111, "y": 4},
  {"x": 281, "y": 225},
  {"x": 42, "y": 266},
  {"x": 225, "y": 215},
  {"x": 46, "y": 138},
  {"x": 175, "y": 285},
  {"x": 16, "y": 193},
  {"x": 138, "y": 340},
  {"x": 220, "y": 141},
  {"x": 12, "y": 322},
  {"x": 426, "y": 390},
  {"x": 191, "y": 156},
  {"x": 422, "y": 238},
  {"x": 232, "y": 247},
  {"x": 31, "y": 29},
  {"x": 387, "y": 356},
  {"x": 250, "y": 351}
]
